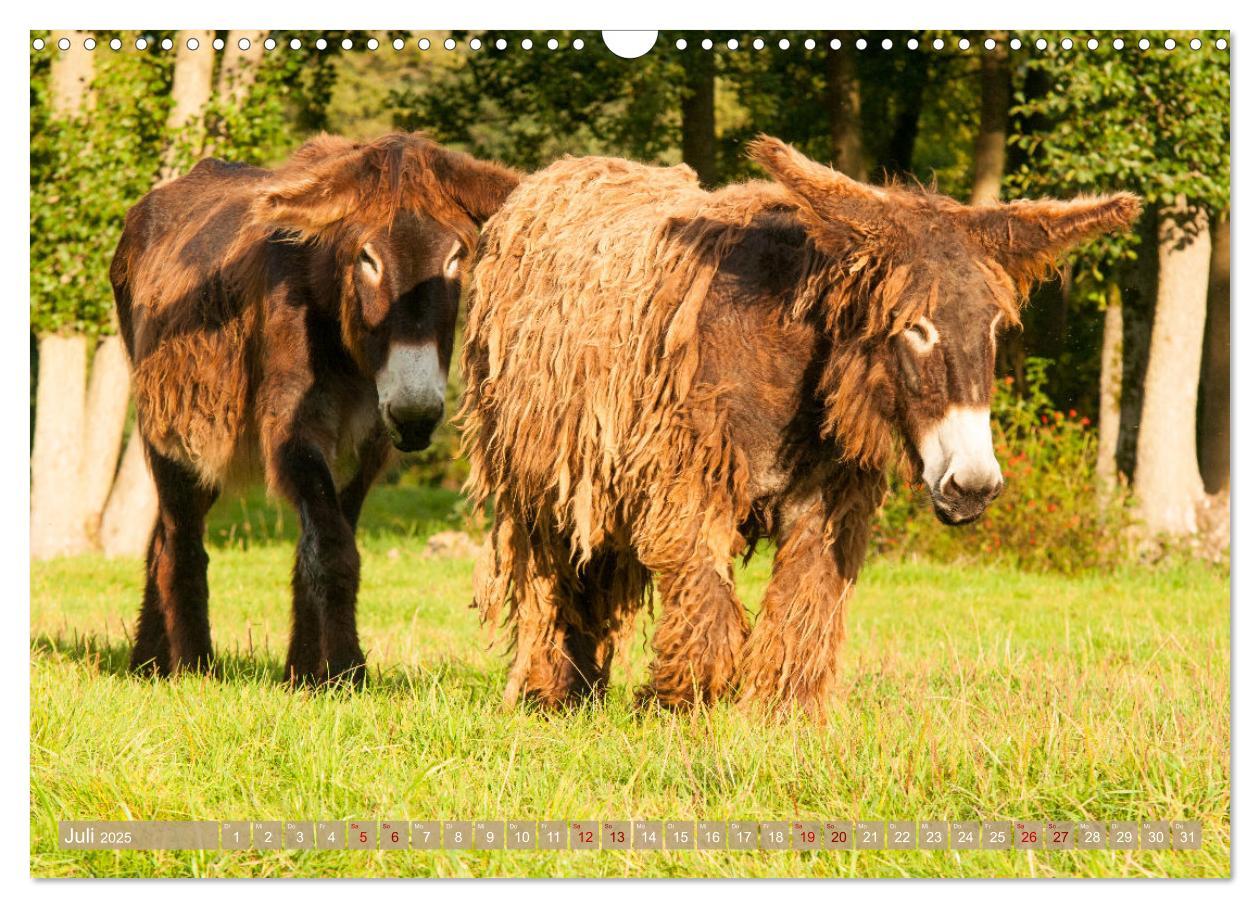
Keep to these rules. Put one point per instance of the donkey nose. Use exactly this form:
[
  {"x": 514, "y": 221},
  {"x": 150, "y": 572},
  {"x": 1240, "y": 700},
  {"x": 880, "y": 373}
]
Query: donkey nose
[
  {"x": 424, "y": 411},
  {"x": 983, "y": 486}
]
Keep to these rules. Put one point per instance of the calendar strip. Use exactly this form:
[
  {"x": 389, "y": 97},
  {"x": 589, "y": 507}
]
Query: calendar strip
[{"x": 631, "y": 835}]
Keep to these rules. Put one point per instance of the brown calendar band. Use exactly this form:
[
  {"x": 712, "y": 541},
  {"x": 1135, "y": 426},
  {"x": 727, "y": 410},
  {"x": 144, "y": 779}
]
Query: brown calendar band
[{"x": 629, "y": 835}]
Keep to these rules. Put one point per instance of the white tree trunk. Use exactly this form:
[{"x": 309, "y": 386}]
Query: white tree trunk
[
  {"x": 133, "y": 505},
  {"x": 57, "y": 512},
  {"x": 1110, "y": 386},
  {"x": 191, "y": 84},
  {"x": 1167, "y": 482},
  {"x": 71, "y": 76},
  {"x": 239, "y": 67},
  {"x": 107, "y": 396}
]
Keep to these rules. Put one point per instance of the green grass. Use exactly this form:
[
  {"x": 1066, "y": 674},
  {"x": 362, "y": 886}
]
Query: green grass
[{"x": 966, "y": 693}]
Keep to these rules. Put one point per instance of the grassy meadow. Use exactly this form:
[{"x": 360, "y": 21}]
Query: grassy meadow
[{"x": 966, "y": 693}]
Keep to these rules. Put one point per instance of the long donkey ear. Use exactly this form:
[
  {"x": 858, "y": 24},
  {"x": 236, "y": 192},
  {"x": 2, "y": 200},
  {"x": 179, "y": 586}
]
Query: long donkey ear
[
  {"x": 317, "y": 187},
  {"x": 825, "y": 196},
  {"x": 1026, "y": 237},
  {"x": 479, "y": 188}
]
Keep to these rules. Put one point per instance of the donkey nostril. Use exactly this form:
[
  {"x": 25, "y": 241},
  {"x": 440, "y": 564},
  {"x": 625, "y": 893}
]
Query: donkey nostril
[{"x": 952, "y": 488}]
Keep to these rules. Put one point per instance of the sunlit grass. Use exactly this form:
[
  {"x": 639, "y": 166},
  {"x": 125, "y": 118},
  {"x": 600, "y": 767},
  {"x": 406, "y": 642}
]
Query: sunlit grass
[{"x": 965, "y": 694}]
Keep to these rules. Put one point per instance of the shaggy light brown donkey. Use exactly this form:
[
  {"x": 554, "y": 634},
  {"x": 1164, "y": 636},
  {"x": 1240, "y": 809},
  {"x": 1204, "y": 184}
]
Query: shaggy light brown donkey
[{"x": 659, "y": 376}]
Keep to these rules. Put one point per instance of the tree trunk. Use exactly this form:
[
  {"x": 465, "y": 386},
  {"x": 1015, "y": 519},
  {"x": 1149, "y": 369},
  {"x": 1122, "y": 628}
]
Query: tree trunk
[
  {"x": 57, "y": 511},
  {"x": 133, "y": 507},
  {"x": 1110, "y": 386},
  {"x": 899, "y": 155},
  {"x": 995, "y": 101},
  {"x": 1167, "y": 482},
  {"x": 71, "y": 76},
  {"x": 1141, "y": 282},
  {"x": 1214, "y": 379},
  {"x": 106, "y": 418},
  {"x": 699, "y": 124},
  {"x": 844, "y": 107},
  {"x": 57, "y": 525},
  {"x": 238, "y": 67},
  {"x": 191, "y": 86}
]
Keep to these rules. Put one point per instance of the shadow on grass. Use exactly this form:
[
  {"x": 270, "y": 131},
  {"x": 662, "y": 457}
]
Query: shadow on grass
[{"x": 112, "y": 657}]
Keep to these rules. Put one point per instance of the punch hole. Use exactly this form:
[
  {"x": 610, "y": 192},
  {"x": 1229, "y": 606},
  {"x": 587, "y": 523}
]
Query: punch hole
[
  {"x": 501, "y": 44},
  {"x": 835, "y": 44},
  {"x": 732, "y": 44},
  {"x": 1066, "y": 43},
  {"x": 527, "y": 44},
  {"x": 192, "y": 44},
  {"x": 141, "y": 44},
  {"x": 1169, "y": 44},
  {"x": 346, "y": 44},
  {"x": 1144, "y": 44},
  {"x": 1195, "y": 44},
  {"x": 270, "y": 44},
  {"x": 938, "y": 44},
  {"x": 784, "y": 44},
  {"x": 115, "y": 44},
  {"x": 552, "y": 44},
  {"x": 89, "y": 43},
  {"x": 628, "y": 45},
  {"x": 707, "y": 44},
  {"x": 64, "y": 44},
  {"x": 243, "y": 44},
  {"x": 38, "y": 44},
  {"x": 399, "y": 43},
  {"x": 681, "y": 44},
  {"x": 295, "y": 44},
  {"x": 449, "y": 43},
  {"x": 373, "y": 44},
  {"x": 913, "y": 44},
  {"x": 423, "y": 44},
  {"x": 886, "y": 44},
  {"x": 1118, "y": 44},
  {"x": 217, "y": 43},
  {"x": 758, "y": 43},
  {"x": 1221, "y": 44},
  {"x": 860, "y": 43},
  {"x": 810, "y": 43},
  {"x": 963, "y": 44},
  {"x": 989, "y": 44},
  {"x": 1092, "y": 44},
  {"x": 475, "y": 44},
  {"x": 578, "y": 44},
  {"x": 1016, "y": 44},
  {"x": 1042, "y": 44},
  {"x": 321, "y": 44},
  {"x": 167, "y": 44}
]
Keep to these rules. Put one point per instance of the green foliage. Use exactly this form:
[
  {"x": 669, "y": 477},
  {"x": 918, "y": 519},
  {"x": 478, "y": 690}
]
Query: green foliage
[
  {"x": 1050, "y": 516},
  {"x": 86, "y": 171}
]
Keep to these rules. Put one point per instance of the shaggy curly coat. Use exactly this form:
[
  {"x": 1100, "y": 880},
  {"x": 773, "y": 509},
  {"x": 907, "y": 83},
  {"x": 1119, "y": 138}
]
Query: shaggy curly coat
[{"x": 659, "y": 376}]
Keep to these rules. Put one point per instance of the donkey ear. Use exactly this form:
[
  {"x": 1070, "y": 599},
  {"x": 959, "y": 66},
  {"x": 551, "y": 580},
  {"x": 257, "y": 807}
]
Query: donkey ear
[
  {"x": 479, "y": 188},
  {"x": 825, "y": 194},
  {"x": 316, "y": 188},
  {"x": 1026, "y": 237}
]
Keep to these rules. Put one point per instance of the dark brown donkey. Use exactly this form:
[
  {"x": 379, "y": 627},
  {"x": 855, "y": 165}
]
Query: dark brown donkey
[
  {"x": 659, "y": 376},
  {"x": 290, "y": 323}
]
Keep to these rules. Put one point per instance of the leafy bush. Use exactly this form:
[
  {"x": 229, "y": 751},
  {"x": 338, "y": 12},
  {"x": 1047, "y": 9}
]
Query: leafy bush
[{"x": 1050, "y": 515}]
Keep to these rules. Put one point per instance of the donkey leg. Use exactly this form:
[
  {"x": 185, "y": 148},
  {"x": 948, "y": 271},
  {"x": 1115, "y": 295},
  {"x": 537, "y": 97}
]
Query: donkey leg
[
  {"x": 324, "y": 644},
  {"x": 173, "y": 631},
  {"x": 613, "y": 587},
  {"x": 791, "y": 656},
  {"x": 700, "y": 634}
]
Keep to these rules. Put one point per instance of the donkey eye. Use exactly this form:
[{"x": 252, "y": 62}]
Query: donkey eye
[
  {"x": 369, "y": 263},
  {"x": 453, "y": 262},
  {"x": 921, "y": 335}
]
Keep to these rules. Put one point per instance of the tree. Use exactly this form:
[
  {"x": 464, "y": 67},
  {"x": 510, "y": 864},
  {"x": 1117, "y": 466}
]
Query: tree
[
  {"x": 995, "y": 101},
  {"x": 699, "y": 124},
  {"x": 57, "y": 515},
  {"x": 1214, "y": 378},
  {"x": 844, "y": 106},
  {"x": 1156, "y": 122}
]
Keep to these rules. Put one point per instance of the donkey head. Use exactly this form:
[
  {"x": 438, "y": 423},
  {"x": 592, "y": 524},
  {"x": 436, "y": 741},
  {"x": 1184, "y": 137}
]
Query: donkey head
[
  {"x": 922, "y": 287},
  {"x": 395, "y": 220}
]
